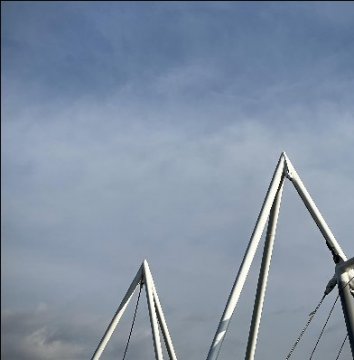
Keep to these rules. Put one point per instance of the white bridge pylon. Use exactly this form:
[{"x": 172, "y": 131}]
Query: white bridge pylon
[
  {"x": 269, "y": 211},
  {"x": 143, "y": 277}
]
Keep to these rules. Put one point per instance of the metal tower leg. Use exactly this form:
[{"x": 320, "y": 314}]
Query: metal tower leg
[
  {"x": 113, "y": 324},
  {"x": 263, "y": 277},
  {"x": 163, "y": 325},
  {"x": 153, "y": 319},
  {"x": 345, "y": 274},
  {"x": 247, "y": 260},
  {"x": 313, "y": 210}
]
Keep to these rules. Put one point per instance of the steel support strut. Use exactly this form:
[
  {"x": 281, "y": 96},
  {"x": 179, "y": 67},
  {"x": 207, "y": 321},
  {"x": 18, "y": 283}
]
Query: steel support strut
[
  {"x": 153, "y": 319},
  {"x": 113, "y": 324},
  {"x": 345, "y": 280},
  {"x": 263, "y": 276},
  {"x": 284, "y": 168},
  {"x": 157, "y": 317},
  {"x": 163, "y": 325},
  {"x": 313, "y": 210},
  {"x": 247, "y": 261}
]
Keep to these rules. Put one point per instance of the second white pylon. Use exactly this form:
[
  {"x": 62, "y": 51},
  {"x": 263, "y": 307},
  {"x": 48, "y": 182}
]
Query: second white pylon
[{"x": 143, "y": 277}]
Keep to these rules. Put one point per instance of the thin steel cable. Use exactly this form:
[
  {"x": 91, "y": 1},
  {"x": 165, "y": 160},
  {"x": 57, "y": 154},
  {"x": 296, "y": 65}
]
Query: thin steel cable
[
  {"x": 311, "y": 315},
  {"x": 324, "y": 326},
  {"x": 341, "y": 348},
  {"x": 133, "y": 322},
  {"x": 329, "y": 315}
]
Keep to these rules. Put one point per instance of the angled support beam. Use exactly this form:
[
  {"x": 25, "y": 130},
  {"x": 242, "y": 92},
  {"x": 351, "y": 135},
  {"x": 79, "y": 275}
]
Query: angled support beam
[
  {"x": 345, "y": 281},
  {"x": 313, "y": 210},
  {"x": 284, "y": 169},
  {"x": 247, "y": 260},
  {"x": 156, "y": 315},
  {"x": 117, "y": 316},
  {"x": 153, "y": 318},
  {"x": 163, "y": 325},
  {"x": 263, "y": 275}
]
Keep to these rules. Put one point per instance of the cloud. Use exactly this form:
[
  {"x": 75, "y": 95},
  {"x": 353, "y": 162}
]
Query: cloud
[
  {"x": 37, "y": 335},
  {"x": 161, "y": 146},
  {"x": 120, "y": 196}
]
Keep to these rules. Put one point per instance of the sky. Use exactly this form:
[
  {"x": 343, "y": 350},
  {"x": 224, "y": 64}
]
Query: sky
[{"x": 135, "y": 131}]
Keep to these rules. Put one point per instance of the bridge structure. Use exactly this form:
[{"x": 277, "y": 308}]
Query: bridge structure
[{"x": 343, "y": 277}]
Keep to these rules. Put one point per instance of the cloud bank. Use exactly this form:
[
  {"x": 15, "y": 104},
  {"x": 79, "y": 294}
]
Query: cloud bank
[{"x": 151, "y": 131}]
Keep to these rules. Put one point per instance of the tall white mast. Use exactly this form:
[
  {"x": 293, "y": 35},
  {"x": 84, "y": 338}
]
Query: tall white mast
[
  {"x": 157, "y": 316},
  {"x": 344, "y": 275},
  {"x": 270, "y": 209}
]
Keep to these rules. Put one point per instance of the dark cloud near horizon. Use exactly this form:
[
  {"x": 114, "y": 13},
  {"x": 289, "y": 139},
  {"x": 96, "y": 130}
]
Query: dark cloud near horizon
[{"x": 151, "y": 131}]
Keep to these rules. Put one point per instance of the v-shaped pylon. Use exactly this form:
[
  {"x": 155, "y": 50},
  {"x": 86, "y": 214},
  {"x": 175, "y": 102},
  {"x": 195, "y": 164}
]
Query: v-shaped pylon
[
  {"x": 269, "y": 211},
  {"x": 143, "y": 277}
]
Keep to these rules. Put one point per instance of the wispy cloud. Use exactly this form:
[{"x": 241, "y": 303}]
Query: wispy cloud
[{"x": 134, "y": 133}]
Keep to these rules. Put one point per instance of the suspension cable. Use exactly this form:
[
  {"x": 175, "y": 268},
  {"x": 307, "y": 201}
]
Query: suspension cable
[
  {"x": 133, "y": 322},
  {"x": 311, "y": 315},
  {"x": 329, "y": 315},
  {"x": 341, "y": 348},
  {"x": 324, "y": 326}
]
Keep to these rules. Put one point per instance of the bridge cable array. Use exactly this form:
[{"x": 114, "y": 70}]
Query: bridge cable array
[
  {"x": 329, "y": 315},
  {"x": 324, "y": 326},
  {"x": 311, "y": 316}
]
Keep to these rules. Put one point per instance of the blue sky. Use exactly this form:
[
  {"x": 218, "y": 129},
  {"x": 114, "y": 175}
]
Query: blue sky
[{"x": 151, "y": 130}]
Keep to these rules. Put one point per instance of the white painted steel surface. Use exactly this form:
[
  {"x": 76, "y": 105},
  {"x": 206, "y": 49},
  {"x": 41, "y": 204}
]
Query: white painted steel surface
[
  {"x": 312, "y": 208},
  {"x": 345, "y": 280},
  {"x": 156, "y": 315},
  {"x": 163, "y": 325},
  {"x": 284, "y": 168},
  {"x": 270, "y": 210},
  {"x": 111, "y": 327},
  {"x": 153, "y": 319},
  {"x": 247, "y": 261},
  {"x": 263, "y": 276}
]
